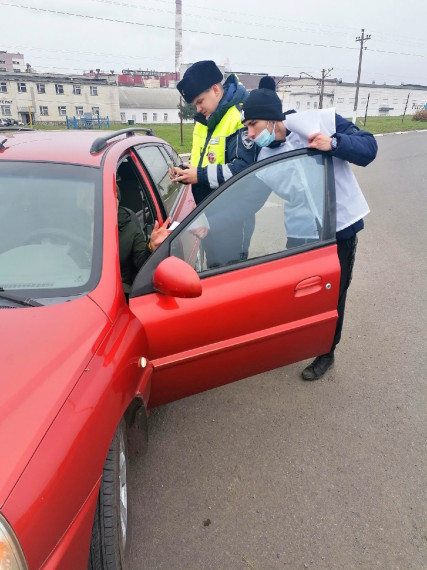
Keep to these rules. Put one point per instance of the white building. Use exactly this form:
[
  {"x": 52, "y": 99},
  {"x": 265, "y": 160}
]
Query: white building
[
  {"x": 149, "y": 105},
  {"x": 374, "y": 100},
  {"x": 50, "y": 98}
]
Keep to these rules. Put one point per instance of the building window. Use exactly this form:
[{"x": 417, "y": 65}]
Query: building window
[
  {"x": 77, "y": 89},
  {"x": 2, "y": 69},
  {"x": 41, "y": 88},
  {"x": 165, "y": 117},
  {"x": 2, "y": 61},
  {"x": 154, "y": 116},
  {"x": 6, "y": 111},
  {"x": 79, "y": 111},
  {"x": 315, "y": 104},
  {"x": 144, "y": 117},
  {"x": 59, "y": 89},
  {"x": 22, "y": 88},
  {"x": 297, "y": 105},
  {"x": 95, "y": 111},
  {"x": 123, "y": 117},
  {"x": 44, "y": 110},
  {"x": 16, "y": 70},
  {"x": 340, "y": 100},
  {"x": 62, "y": 111},
  {"x": 308, "y": 104},
  {"x": 93, "y": 90},
  {"x": 15, "y": 62},
  {"x": 3, "y": 87}
]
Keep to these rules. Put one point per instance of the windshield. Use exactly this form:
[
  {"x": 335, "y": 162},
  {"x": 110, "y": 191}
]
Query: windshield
[{"x": 50, "y": 230}]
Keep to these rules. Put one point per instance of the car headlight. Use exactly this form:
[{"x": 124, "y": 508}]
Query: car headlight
[{"x": 11, "y": 555}]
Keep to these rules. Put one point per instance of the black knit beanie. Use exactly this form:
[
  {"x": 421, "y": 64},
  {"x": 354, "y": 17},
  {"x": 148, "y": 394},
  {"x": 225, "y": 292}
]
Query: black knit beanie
[
  {"x": 199, "y": 77},
  {"x": 267, "y": 82},
  {"x": 262, "y": 104}
]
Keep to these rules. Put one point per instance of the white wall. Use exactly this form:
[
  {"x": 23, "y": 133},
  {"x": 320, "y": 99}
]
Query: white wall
[
  {"x": 136, "y": 114},
  {"x": 303, "y": 95}
]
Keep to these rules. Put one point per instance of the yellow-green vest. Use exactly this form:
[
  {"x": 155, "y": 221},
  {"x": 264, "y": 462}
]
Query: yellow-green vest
[{"x": 215, "y": 149}]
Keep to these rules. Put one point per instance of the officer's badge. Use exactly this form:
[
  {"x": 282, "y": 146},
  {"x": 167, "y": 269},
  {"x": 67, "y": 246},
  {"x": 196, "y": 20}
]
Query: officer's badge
[
  {"x": 211, "y": 157},
  {"x": 247, "y": 142}
]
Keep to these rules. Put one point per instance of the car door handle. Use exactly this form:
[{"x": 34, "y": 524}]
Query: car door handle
[{"x": 308, "y": 286}]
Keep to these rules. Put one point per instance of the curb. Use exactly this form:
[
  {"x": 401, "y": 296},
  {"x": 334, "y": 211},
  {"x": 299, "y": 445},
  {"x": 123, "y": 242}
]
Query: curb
[{"x": 401, "y": 133}]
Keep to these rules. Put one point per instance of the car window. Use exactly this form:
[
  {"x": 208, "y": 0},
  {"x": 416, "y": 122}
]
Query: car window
[
  {"x": 133, "y": 194},
  {"x": 50, "y": 228},
  {"x": 157, "y": 160},
  {"x": 277, "y": 208}
]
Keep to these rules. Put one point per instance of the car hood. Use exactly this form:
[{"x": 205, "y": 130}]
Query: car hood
[{"x": 43, "y": 352}]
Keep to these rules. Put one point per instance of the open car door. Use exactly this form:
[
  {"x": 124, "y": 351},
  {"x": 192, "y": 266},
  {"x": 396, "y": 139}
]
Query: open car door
[{"x": 247, "y": 283}]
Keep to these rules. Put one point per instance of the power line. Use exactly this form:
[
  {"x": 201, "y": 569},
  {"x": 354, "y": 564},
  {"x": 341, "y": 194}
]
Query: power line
[{"x": 202, "y": 32}]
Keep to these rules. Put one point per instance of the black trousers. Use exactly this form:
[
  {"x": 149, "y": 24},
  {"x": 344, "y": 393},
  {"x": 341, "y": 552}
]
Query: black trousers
[{"x": 346, "y": 255}]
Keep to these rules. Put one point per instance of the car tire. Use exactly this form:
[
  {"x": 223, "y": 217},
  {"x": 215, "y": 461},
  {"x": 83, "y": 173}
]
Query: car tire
[{"x": 108, "y": 548}]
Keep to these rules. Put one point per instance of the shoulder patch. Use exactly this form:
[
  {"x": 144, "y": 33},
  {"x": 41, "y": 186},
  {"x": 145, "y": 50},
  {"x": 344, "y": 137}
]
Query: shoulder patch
[{"x": 247, "y": 142}]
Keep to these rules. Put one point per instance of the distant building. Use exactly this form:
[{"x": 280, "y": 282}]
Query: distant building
[
  {"x": 12, "y": 62},
  {"x": 147, "y": 78},
  {"x": 155, "y": 105},
  {"x": 375, "y": 100},
  {"x": 50, "y": 98}
]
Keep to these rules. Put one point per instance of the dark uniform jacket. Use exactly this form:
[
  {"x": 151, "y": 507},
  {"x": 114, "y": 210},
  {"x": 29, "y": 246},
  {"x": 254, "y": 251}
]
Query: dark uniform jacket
[{"x": 133, "y": 249}]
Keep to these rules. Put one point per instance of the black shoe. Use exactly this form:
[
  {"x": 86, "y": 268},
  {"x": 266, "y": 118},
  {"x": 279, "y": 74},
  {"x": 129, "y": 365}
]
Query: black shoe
[{"x": 318, "y": 367}]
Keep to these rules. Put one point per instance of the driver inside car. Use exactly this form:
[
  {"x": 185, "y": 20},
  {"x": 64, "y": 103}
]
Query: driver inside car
[{"x": 133, "y": 247}]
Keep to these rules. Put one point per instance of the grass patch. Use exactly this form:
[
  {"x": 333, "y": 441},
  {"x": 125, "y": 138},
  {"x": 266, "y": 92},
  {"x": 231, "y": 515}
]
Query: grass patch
[
  {"x": 172, "y": 132},
  {"x": 379, "y": 125}
]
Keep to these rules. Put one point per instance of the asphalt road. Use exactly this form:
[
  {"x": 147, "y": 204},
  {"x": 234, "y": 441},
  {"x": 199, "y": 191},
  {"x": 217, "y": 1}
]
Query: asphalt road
[{"x": 273, "y": 472}]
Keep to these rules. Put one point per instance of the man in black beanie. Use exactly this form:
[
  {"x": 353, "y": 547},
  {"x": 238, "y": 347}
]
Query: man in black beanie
[
  {"x": 220, "y": 147},
  {"x": 262, "y": 114}
]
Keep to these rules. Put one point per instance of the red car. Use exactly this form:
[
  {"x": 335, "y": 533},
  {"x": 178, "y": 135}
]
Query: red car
[{"x": 223, "y": 298}]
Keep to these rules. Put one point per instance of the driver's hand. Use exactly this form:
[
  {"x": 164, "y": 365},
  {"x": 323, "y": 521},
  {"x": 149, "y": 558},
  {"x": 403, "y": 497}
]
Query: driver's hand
[{"x": 159, "y": 234}]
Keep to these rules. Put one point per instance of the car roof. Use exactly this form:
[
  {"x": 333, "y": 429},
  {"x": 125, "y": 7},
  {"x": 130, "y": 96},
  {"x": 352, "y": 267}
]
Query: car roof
[{"x": 69, "y": 146}]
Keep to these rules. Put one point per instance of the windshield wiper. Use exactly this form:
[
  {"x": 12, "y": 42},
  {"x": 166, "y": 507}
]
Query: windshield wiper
[{"x": 19, "y": 299}]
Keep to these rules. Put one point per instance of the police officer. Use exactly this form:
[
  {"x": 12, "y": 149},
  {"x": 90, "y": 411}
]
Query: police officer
[
  {"x": 348, "y": 144},
  {"x": 220, "y": 149}
]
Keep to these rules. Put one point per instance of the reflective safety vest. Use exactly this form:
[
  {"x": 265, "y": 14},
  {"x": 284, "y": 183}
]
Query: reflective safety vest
[{"x": 214, "y": 153}]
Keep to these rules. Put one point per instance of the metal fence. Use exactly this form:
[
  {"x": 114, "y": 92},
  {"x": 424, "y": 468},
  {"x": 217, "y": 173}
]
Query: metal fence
[{"x": 87, "y": 122}]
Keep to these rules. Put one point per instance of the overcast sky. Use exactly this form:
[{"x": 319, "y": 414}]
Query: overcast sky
[{"x": 279, "y": 37}]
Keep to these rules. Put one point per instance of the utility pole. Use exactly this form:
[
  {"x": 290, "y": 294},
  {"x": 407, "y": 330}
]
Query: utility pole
[
  {"x": 325, "y": 73},
  {"x": 360, "y": 39},
  {"x": 366, "y": 110},
  {"x": 178, "y": 51},
  {"x": 406, "y": 106},
  {"x": 322, "y": 85}
]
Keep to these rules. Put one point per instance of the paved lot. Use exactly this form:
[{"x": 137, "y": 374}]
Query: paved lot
[{"x": 273, "y": 472}]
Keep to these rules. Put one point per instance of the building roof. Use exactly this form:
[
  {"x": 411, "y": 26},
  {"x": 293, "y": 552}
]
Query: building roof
[
  {"x": 148, "y": 98},
  {"x": 57, "y": 77}
]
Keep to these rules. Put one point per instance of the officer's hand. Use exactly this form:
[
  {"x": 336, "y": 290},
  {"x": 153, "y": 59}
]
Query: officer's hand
[
  {"x": 187, "y": 176},
  {"x": 319, "y": 141},
  {"x": 201, "y": 232}
]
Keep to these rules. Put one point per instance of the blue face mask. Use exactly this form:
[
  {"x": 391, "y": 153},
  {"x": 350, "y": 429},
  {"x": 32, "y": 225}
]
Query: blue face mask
[{"x": 265, "y": 137}]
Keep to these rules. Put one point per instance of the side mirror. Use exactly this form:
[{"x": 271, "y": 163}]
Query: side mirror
[{"x": 174, "y": 277}]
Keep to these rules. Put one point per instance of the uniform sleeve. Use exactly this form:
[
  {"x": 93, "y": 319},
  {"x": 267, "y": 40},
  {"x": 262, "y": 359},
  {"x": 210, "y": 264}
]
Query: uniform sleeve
[
  {"x": 240, "y": 152},
  {"x": 354, "y": 145}
]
